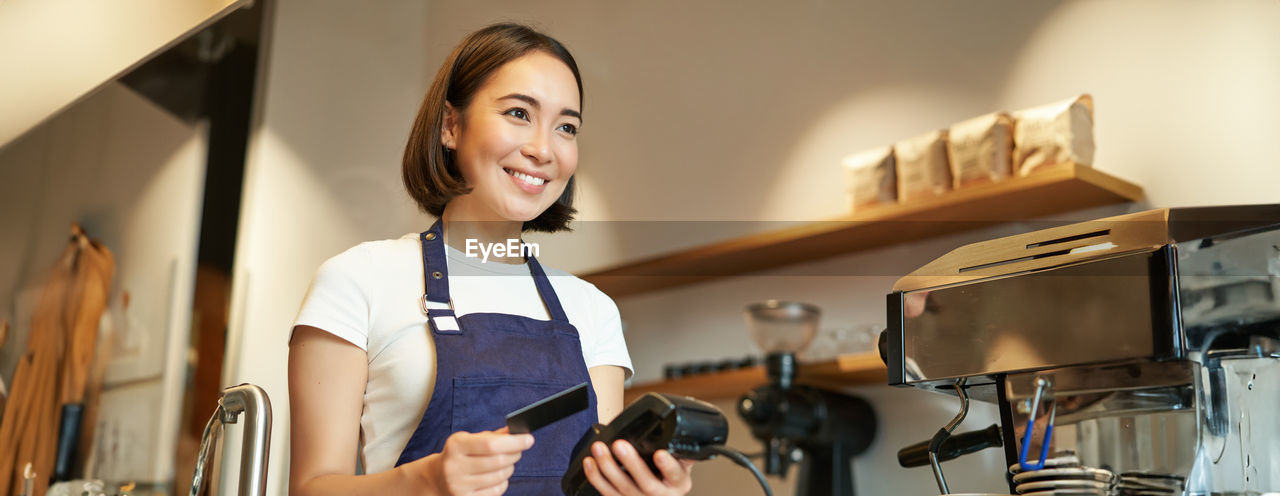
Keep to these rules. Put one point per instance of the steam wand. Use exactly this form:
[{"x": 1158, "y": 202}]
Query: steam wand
[{"x": 941, "y": 437}]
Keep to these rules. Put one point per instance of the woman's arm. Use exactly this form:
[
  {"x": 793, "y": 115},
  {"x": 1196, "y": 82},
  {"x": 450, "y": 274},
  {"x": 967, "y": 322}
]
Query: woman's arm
[
  {"x": 607, "y": 380},
  {"x": 326, "y": 395},
  {"x": 327, "y": 378}
]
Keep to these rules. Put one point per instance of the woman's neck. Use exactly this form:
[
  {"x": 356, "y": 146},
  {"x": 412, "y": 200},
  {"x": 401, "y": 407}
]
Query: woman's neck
[{"x": 484, "y": 239}]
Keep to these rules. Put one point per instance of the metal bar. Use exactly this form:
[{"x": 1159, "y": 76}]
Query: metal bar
[{"x": 253, "y": 402}]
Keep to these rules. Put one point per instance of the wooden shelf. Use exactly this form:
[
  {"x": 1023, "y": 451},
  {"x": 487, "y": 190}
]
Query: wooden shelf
[
  {"x": 846, "y": 370},
  {"x": 1062, "y": 188}
]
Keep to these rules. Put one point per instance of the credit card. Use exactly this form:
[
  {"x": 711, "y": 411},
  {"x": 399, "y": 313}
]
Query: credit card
[{"x": 548, "y": 410}]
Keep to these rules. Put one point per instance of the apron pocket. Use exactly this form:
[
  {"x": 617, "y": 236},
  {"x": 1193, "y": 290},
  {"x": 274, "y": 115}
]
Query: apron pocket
[{"x": 482, "y": 404}]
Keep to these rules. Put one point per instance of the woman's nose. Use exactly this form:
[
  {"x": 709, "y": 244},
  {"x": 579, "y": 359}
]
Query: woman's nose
[{"x": 538, "y": 148}]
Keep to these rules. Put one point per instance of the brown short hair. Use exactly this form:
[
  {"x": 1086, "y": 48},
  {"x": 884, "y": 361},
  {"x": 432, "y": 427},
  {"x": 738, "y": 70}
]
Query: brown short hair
[{"x": 430, "y": 173}]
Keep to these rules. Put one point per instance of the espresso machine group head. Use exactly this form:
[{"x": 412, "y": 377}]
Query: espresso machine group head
[{"x": 1142, "y": 351}]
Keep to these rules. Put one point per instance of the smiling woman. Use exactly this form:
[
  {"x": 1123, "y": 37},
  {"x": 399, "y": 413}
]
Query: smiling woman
[
  {"x": 431, "y": 169},
  {"x": 412, "y": 353},
  {"x": 520, "y": 132}
]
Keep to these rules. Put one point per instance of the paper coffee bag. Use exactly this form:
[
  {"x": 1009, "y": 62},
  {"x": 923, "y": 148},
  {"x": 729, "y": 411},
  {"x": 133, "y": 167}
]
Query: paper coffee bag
[
  {"x": 870, "y": 178},
  {"x": 980, "y": 150},
  {"x": 1053, "y": 134},
  {"x": 922, "y": 166}
]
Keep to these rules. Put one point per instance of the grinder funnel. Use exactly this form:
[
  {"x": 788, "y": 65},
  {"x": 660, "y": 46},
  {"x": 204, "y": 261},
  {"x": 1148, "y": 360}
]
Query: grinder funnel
[{"x": 782, "y": 326}]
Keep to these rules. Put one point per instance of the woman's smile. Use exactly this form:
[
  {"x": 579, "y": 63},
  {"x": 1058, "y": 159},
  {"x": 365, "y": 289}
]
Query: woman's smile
[{"x": 532, "y": 183}]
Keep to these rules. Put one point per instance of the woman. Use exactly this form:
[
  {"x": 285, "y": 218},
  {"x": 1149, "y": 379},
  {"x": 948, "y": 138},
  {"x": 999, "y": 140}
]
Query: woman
[{"x": 412, "y": 352}]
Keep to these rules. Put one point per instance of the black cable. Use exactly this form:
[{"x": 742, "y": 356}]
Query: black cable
[{"x": 741, "y": 459}]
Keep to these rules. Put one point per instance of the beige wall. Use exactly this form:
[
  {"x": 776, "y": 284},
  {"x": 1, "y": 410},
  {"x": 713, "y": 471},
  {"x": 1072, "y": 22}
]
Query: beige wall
[
  {"x": 741, "y": 111},
  {"x": 56, "y": 53}
]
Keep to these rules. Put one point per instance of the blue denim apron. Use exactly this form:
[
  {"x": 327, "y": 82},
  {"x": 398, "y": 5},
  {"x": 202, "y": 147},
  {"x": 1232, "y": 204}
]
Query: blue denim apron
[{"x": 491, "y": 364}]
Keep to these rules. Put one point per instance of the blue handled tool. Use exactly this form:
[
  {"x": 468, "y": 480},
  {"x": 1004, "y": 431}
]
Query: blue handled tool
[{"x": 1041, "y": 385}]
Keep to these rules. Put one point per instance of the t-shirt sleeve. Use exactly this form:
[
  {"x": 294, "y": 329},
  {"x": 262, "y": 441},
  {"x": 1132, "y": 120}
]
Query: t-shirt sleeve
[
  {"x": 337, "y": 302},
  {"x": 609, "y": 347}
]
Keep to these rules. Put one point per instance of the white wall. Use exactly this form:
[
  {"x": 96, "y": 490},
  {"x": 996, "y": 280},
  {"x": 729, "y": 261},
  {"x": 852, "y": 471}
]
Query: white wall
[
  {"x": 133, "y": 176},
  {"x": 343, "y": 81},
  {"x": 741, "y": 111}
]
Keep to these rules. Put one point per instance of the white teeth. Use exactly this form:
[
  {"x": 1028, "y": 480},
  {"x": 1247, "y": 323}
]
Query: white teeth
[{"x": 533, "y": 181}]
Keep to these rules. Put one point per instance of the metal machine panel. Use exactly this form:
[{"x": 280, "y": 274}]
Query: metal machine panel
[{"x": 1040, "y": 320}]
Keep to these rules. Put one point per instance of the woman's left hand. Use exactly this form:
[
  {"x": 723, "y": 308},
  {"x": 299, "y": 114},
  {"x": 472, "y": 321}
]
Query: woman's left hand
[{"x": 606, "y": 475}]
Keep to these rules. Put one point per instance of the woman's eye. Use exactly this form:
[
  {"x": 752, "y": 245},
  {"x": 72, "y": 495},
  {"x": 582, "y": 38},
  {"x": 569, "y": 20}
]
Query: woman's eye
[
  {"x": 518, "y": 113},
  {"x": 569, "y": 128}
]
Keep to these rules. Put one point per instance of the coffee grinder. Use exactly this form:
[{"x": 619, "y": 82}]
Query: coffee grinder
[{"x": 821, "y": 429}]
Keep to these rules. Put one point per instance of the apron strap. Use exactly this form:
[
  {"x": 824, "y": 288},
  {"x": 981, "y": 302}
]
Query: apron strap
[
  {"x": 436, "y": 274},
  {"x": 435, "y": 268},
  {"x": 549, "y": 297}
]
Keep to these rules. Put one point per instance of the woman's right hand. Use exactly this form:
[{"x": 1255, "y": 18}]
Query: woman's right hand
[{"x": 476, "y": 463}]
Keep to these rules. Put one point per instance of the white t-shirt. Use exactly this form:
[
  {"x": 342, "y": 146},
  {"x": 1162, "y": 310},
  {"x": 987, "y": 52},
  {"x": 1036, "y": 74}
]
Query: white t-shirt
[{"x": 371, "y": 294}]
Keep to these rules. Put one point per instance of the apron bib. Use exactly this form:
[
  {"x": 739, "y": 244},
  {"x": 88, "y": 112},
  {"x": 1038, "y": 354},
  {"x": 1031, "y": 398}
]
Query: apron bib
[{"x": 491, "y": 364}]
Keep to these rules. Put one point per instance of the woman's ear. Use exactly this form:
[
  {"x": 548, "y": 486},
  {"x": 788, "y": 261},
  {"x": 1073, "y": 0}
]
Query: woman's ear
[{"x": 449, "y": 128}]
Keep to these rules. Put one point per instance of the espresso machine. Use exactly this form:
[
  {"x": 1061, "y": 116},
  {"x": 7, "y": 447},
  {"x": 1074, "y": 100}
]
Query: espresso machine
[{"x": 1131, "y": 355}]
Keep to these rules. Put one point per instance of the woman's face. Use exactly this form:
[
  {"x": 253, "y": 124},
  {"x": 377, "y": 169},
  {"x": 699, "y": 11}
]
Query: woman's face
[{"x": 516, "y": 142}]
